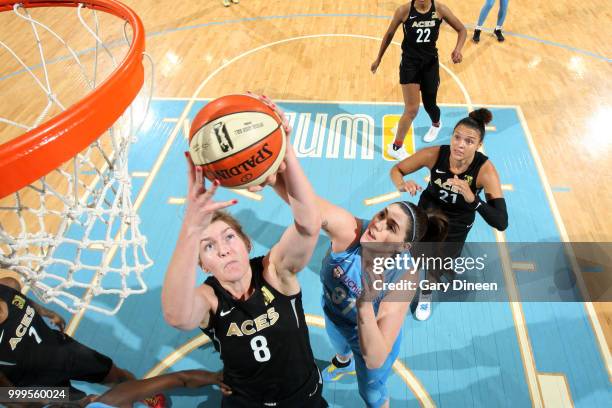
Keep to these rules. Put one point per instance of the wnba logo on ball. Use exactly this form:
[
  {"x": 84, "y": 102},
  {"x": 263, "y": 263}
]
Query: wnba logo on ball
[
  {"x": 221, "y": 132},
  {"x": 238, "y": 140}
]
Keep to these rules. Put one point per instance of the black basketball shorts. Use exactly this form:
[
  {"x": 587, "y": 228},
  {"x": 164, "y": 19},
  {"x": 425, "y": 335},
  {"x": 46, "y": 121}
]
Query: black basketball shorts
[{"x": 423, "y": 72}]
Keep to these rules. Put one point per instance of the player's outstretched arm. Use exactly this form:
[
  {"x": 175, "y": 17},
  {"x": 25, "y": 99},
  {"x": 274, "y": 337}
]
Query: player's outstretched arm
[
  {"x": 184, "y": 305},
  {"x": 129, "y": 392},
  {"x": 292, "y": 253},
  {"x": 340, "y": 225}
]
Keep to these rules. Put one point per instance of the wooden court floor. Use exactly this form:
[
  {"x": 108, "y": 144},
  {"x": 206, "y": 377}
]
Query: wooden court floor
[{"x": 555, "y": 65}]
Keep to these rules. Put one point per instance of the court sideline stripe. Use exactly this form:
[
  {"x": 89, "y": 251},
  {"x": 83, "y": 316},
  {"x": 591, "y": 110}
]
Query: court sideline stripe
[
  {"x": 516, "y": 308},
  {"x": 590, "y": 309}
]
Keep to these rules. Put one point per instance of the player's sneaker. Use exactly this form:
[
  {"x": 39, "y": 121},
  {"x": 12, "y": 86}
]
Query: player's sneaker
[
  {"x": 156, "y": 401},
  {"x": 476, "y": 37},
  {"x": 333, "y": 373},
  {"x": 226, "y": 3},
  {"x": 499, "y": 35},
  {"x": 399, "y": 154},
  {"x": 432, "y": 133},
  {"x": 235, "y": 1},
  {"x": 423, "y": 309}
]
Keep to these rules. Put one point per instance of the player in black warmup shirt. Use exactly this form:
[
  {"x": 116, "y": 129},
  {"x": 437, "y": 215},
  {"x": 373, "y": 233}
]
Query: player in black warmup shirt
[
  {"x": 251, "y": 308},
  {"x": 458, "y": 174},
  {"x": 419, "y": 67},
  {"x": 33, "y": 354}
]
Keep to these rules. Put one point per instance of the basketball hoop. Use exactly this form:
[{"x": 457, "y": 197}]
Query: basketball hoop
[{"x": 67, "y": 224}]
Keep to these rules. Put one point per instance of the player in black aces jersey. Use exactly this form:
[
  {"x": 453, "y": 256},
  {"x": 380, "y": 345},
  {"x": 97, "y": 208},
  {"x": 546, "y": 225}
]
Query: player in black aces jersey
[
  {"x": 33, "y": 354},
  {"x": 458, "y": 174},
  {"x": 251, "y": 308},
  {"x": 419, "y": 67}
]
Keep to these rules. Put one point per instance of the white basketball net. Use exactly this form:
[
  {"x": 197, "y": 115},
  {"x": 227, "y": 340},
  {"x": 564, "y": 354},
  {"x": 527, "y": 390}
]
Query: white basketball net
[{"x": 73, "y": 234}]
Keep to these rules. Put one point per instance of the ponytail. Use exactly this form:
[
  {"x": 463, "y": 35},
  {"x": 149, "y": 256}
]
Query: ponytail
[
  {"x": 430, "y": 226},
  {"x": 437, "y": 227}
]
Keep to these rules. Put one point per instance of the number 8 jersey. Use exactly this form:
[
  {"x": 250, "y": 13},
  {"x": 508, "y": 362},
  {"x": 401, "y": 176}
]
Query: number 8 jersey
[
  {"x": 263, "y": 342},
  {"x": 421, "y": 33}
]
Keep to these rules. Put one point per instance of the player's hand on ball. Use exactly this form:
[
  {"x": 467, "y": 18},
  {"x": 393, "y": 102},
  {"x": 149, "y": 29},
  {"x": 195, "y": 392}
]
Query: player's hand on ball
[
  {"x": 456, "y": 56},
  {"x": 275, "y": 108},
  {"x": 271, "y": 179},
  {"x": 200, "y": 203},
  {"x": 411, "y": 188},
  {"x": 462, "y": 188}
]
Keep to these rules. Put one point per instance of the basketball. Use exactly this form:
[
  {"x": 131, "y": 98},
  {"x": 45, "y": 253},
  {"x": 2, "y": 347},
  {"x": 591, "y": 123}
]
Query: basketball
[{"x": 238, "y": 139}]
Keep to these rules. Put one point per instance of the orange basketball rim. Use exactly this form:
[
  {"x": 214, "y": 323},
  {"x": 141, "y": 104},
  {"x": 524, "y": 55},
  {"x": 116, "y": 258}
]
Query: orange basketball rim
[{"x": 32, "y": 155}]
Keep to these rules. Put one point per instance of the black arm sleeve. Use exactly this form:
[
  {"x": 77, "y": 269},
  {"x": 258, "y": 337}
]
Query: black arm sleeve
[{"x": 494, "y": 212}]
